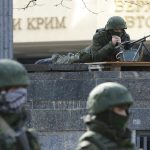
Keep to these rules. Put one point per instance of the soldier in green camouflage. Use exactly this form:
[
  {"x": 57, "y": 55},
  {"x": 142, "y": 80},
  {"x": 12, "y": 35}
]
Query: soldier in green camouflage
[
  {"x": 102, "y": 47},
  {"x": 13, "y": 95},
  {"x": 105, "y": 40},
  {"x": 107, "y": 106}
]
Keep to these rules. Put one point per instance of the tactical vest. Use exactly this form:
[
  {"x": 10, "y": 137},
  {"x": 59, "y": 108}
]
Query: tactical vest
[{"x": 99, "y": 142}]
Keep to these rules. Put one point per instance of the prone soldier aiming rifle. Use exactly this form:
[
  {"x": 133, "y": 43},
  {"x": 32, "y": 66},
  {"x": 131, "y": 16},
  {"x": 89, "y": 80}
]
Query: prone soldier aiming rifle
[{"x": 127, "y": 52}]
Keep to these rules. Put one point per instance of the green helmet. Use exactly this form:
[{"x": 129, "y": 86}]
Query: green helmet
[
  {"x": 116, "y": 22},
  {"x": 106, "y": 96},
  {"x": 12, "y": 73}
]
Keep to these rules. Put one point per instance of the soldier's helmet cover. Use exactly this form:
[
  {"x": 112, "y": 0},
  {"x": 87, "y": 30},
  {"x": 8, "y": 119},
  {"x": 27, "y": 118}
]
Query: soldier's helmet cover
[
  {"x": 12, "y": 73},
  {"x": 13, "y": 86},
  {"x": 108, "y": 95},
  {"x": 116, "y": 22}
]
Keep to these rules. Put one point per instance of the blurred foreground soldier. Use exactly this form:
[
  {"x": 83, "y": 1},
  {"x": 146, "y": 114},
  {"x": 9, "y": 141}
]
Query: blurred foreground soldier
[
  {"x": 13, "y": 95},
  {"x": 102, "y": 48},
  {"x": 107, "y": 106}
]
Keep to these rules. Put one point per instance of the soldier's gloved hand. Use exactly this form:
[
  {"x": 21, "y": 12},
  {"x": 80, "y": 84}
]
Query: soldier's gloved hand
[{"x": 116, "y": 40}]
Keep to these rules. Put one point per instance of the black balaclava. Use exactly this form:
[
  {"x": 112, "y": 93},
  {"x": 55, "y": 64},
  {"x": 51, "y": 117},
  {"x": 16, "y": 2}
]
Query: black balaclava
[
  {"x": 113, "y": 120},
  {"x": 120, "y": 34}
]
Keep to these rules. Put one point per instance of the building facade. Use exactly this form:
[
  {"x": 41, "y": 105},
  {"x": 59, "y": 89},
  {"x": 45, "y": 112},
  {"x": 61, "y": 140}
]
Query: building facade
[{"x": 45, "y": 27}]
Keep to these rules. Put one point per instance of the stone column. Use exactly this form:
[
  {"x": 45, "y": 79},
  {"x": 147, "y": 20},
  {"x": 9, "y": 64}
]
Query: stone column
[{"x": 6, "y": 29}]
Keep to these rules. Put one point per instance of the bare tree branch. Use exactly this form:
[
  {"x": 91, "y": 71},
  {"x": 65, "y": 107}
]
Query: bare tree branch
[
  {"x": 31, "y": 3},
  {"x": 89, "y": 9},
  {"x": 62, "y": 4},
  {"x": 84, "y": 3}
]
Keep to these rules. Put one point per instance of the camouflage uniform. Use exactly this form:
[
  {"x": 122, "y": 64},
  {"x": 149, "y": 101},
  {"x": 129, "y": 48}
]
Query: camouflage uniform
[
  {"x": 13, "y": 94},
  {"x": 101, "y": 49},
  {"x": 105, "y": 129}
]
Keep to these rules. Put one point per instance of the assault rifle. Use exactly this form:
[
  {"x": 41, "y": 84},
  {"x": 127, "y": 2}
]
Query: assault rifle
[{"x": 127, "y": 52}]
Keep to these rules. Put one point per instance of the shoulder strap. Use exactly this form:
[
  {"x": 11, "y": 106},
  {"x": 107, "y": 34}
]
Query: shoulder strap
[
  {"x": 9, "y": 131},
  {"x": 22, "y": 138},
  {"x": 6, "y": 128}
]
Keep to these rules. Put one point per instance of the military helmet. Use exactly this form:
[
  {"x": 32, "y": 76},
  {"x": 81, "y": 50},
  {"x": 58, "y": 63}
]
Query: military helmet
[
  {"x": 12, "y": 73},
  {"x": 116, "y": 22},
  {"x": 107, "y": 95}
]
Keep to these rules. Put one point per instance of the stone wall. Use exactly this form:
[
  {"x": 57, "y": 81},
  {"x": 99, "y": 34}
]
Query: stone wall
[{"x": 57, "y": 102}]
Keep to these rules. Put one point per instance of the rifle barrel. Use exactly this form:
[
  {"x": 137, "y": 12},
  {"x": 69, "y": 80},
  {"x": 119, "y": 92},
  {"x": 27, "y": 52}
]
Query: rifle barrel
[
  {"x": 131, "y": 43},
  {"x": 147, "y": 36},
  {"x": 142, "y": 39}
]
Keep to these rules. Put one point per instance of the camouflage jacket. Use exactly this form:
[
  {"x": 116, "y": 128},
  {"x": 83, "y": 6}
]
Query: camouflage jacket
[
  {"x": 101, "y": 48},
  {"x": 93, "y": 141},
  {"x": 10, "y": 139},
  {"x": 101, "y": 137}
]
